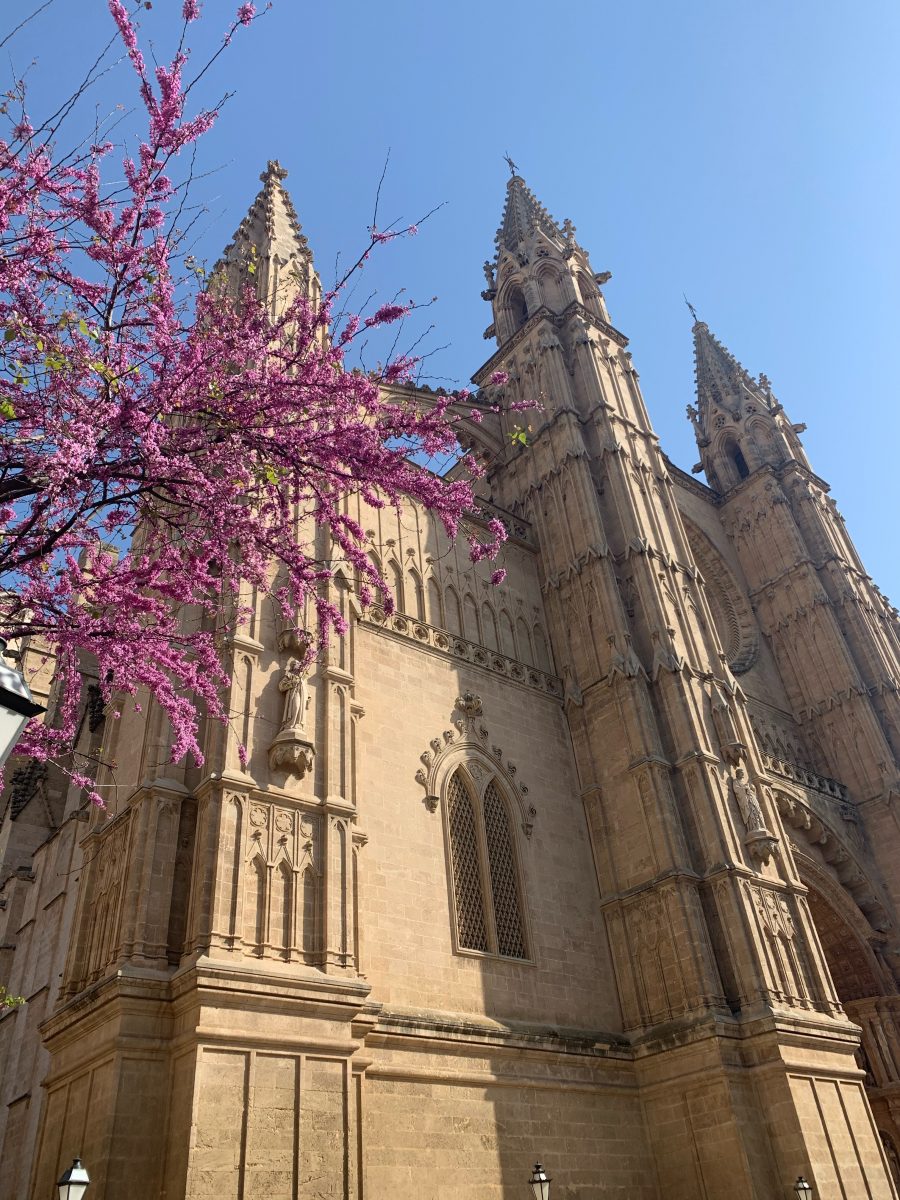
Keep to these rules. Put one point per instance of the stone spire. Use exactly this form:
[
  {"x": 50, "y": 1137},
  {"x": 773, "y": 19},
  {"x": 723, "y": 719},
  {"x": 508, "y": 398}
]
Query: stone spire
[
  {"x": 269, "y": 246},
  {"x": 739, "y": 424},
  {"x": 721, "y": 380},
  {"x": 523, "y": 215},
  {"x": 538, "y": 265}
]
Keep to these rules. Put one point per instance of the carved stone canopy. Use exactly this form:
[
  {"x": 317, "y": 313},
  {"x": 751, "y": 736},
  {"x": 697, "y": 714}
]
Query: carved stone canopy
[{"x": 294, "y": 640}]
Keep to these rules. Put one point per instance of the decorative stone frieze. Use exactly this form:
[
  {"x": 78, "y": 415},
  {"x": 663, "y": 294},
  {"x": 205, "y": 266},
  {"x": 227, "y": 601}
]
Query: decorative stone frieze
[{"x": 459, "y": 648}]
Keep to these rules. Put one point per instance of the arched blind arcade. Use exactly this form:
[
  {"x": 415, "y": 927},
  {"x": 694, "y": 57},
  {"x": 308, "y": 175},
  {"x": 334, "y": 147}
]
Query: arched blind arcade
[{"x": 485, "y": 877}]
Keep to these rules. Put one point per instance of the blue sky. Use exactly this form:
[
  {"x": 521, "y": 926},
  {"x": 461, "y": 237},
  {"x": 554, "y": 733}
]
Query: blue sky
[{"x": 747, "y": 155}]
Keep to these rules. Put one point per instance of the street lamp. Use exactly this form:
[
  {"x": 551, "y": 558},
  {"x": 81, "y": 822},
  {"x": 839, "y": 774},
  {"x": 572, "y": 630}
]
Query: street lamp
[
  {"x": 540, "y": 1184},
  {"x": 16, "y": 706},
  {"x": 73, "y": 1183},
  {"x": 802, "y": 1189}
]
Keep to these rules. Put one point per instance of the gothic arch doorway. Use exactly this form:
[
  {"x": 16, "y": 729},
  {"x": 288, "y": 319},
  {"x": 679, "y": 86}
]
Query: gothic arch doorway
[{"x": 868, "y": 993}]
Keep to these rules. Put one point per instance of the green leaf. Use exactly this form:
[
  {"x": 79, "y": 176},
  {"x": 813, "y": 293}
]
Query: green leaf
[
  {"x": 6, "y": 410},
  {"x": 83, "y": 326},
  {"x": 9, "y": 335}
]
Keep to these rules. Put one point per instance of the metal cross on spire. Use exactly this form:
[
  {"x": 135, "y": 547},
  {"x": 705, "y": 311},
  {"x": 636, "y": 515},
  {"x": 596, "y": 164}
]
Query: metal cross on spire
[
  {"x": 691, "y": 308},
  {"x": 513, "y": 169}
]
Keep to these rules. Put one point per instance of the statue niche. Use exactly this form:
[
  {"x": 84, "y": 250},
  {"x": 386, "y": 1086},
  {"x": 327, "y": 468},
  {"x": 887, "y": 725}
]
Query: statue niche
[
  {"x": 759, "y": 841},
  {"x": 291, "y": 750}
]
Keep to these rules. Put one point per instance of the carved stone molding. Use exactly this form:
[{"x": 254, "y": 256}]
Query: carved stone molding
[
  {"x": 813, "y": 833},
  {"x": 806, "y": 777},
  {"x": 292, "y": 754},
  {"x": 468, "y": 745},
  {"x": 459, "y": 648},
  {"x": 732, "y": 615}
]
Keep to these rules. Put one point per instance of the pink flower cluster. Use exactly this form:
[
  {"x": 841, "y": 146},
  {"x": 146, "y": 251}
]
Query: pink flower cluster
[{"x": 156, "y": 459}]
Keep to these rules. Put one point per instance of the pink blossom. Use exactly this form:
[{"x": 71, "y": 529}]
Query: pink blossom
[
  {"x": 387, "y": 314},
  {"x": 93, "y": 404}
]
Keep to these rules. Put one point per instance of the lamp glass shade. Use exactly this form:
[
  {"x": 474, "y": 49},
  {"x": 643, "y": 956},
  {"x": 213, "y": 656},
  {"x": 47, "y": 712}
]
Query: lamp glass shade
[
  {"x": 16, "y": 706},
  {"x": 11, "y": 725},
  {"x": 802, "y": 1189},
  {"x": 540, "y": 1183},
  {"x": 73, "y": 1183}
]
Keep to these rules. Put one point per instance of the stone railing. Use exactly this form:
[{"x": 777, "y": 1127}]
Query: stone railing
[
  {"x": 805, "y": 777},
  {"x": 469, "y": 652}
]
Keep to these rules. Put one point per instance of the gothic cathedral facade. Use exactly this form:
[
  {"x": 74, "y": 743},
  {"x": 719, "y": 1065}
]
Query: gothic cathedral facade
[{"x": 596, "y": 866}]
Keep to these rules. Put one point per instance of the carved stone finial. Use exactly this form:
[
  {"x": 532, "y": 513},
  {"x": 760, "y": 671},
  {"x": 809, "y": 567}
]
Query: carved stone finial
[
  {"x": 274, "y": 170},
  {"x": 470, "y": 704}
]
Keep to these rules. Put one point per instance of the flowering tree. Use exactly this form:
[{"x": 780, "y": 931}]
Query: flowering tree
[{"x": 159, "y": 450}]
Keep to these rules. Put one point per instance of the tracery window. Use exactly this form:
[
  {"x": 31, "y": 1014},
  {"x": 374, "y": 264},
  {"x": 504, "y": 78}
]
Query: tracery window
[{"x": 486, "y": 889}]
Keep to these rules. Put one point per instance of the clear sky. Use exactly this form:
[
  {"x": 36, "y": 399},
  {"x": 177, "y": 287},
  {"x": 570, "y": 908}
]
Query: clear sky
[{"x": 745, "y": 154}]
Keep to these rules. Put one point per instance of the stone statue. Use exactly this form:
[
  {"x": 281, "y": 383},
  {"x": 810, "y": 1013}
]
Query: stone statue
[
  {"x": 293, "y": 684},
  {"x": 748, "y": 802}
]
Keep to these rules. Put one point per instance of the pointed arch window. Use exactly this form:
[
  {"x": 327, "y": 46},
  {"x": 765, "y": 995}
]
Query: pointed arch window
[
  {"x": 737, "y": 457},
  {"x": 487, "y": 891},
  {"x": 517, "y": 308}
]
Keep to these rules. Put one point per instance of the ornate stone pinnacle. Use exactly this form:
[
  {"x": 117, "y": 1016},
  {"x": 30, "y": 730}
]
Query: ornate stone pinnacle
[{"x": 274, "y": 170}]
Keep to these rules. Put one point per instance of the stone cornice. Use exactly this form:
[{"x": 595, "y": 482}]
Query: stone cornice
[
  {"x": 448, "y": 645},
  {"x": 462, "y": 1029}
]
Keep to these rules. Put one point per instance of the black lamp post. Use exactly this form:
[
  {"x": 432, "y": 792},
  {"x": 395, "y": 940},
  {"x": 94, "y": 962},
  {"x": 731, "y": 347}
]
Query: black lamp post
[
  {"x": 802, "y": 1189},
  {"x": 540, "y": 1184},
  {"x": 74, "y": 1182}
]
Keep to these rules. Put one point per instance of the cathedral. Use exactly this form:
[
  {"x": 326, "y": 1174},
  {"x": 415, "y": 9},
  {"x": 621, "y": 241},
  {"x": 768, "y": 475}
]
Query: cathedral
[{"x": 596, "y": 867}]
